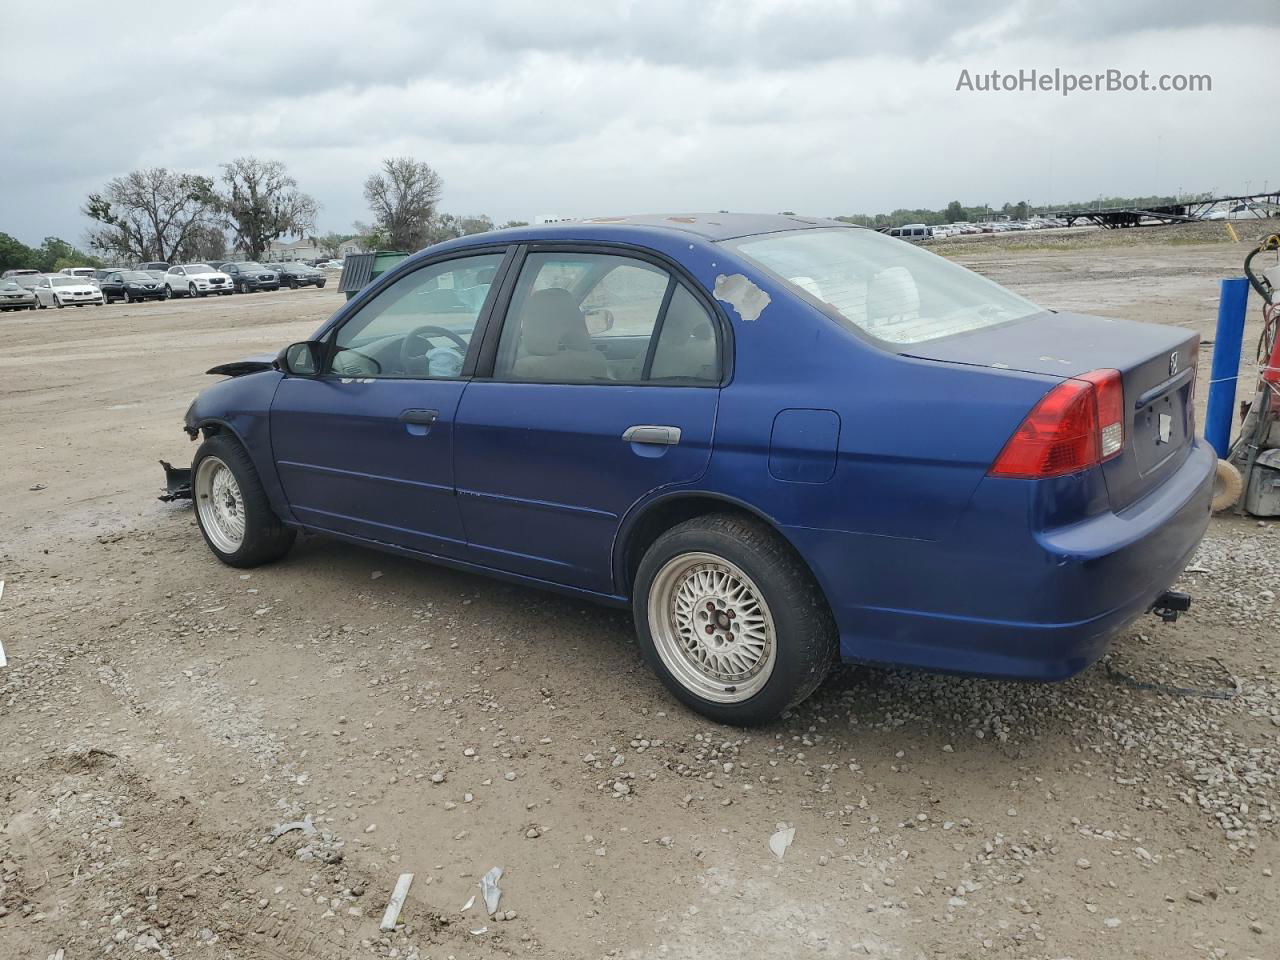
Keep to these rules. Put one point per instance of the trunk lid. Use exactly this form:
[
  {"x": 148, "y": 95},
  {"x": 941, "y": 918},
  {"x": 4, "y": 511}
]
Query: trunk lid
[{"x": 1157, "y": 364}]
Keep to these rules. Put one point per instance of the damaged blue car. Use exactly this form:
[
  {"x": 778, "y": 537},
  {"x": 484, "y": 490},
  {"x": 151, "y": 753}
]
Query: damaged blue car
[{"x": 781, "y": 442}]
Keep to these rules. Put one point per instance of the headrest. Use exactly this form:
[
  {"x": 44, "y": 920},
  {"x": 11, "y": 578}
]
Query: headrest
[
  {"x": 892, "y": 293},
  {"x": 551, "y": 323}
]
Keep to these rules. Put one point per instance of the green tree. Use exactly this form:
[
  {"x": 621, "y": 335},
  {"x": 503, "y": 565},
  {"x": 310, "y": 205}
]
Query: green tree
[
  {"x": 955, "y": 212},
  {"x": 330, "y": 242},
  {"x": 261, "y": 202},
  {"x": 15, "y": 255},
  {"x": 515, "y": 223}
]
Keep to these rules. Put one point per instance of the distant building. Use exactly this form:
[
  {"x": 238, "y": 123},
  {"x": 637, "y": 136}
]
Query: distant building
[{"x": 306, "y": 249}]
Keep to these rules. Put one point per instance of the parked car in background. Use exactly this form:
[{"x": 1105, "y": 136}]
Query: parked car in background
[
  {"x": 131, "y": 285},
  {"x": 722, "y": 422},
  {"x": 912, "y": 231},
  {"x": 249, "y": 275},
  {"x": 82, "y": 273},
  {"x": 154, "y": 265},
  {"x": 59, "y": 290},
  {"x": 105, "y": 272},
  {"x": 196, "y": 280},
  {"x": 14, "y": 296},
  {"x": 19, "y": 272},
  {"x": 330, "y": 265},
  {"x": 295, "y": 274}
]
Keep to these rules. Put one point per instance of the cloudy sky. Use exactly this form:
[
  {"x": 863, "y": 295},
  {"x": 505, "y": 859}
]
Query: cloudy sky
[{"x": 532, "y": 108}]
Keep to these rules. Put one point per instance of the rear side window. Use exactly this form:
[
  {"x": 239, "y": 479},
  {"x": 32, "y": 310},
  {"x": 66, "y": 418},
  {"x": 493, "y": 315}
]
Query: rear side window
[{"x": 592, "y": 318}]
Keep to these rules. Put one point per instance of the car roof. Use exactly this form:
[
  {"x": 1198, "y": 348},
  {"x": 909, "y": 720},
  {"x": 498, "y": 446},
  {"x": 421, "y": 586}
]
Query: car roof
[{"x": 710, "y": 227}]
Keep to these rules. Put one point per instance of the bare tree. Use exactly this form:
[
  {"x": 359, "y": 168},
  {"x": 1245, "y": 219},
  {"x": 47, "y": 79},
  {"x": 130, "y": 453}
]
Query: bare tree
[
  {"x": 262, "y": 202},
  {"x": 403, "y": 197},
  {"x": 149, "y": 214}
]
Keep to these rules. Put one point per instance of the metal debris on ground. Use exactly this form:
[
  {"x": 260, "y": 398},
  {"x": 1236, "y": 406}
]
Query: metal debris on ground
[
  {"x": 305, "y": 825},
  {"x": 1208, "y": 678},
  {"x": 779, "y": 842},
  {"x": 489, "y": 888},
  {"x": 392, "y": 914}
]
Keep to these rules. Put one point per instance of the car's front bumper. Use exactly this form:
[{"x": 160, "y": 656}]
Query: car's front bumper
[{"x": 995, "y": 599}]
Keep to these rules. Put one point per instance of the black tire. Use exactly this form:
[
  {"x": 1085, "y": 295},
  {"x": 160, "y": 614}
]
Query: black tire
[
  {"x": 168, "y": 292},
  {"x": 293, "y": 284},
  {"x": 58, "y": 303},
  {"x": 192, "y": 292},
  {"x": 806, "y": 639},
  {"x": 265, "y": 538},
  {"x": 320, "y": 285}
]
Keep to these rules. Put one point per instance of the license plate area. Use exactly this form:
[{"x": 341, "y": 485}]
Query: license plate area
[{"x": 1160, "y": 429}]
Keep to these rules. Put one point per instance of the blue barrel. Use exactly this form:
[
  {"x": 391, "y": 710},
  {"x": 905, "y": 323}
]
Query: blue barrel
[{"x": 1232, "y": 302}]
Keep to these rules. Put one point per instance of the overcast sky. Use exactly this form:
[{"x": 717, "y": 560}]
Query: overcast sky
[{"x": 530, "y": 108}]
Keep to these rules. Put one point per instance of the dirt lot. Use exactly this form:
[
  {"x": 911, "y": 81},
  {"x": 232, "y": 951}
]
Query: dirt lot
[{"x": 163, "y": 713}]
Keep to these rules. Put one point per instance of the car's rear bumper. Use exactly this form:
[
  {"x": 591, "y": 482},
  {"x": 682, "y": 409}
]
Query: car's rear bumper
[{"x": 994, "y": 599}]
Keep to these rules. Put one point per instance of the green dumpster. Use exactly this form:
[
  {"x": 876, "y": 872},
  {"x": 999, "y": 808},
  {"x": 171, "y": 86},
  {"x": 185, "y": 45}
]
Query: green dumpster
[{"x": 361, "y": 269}]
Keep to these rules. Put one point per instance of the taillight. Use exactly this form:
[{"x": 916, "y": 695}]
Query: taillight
[{"x": 1076, "y": 425}]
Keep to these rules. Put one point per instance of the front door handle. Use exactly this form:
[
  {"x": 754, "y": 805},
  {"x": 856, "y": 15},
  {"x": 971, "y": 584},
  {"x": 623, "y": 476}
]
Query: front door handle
[
  {"x": 648, "y": 433},
  {"x": 421, "y": 417}
]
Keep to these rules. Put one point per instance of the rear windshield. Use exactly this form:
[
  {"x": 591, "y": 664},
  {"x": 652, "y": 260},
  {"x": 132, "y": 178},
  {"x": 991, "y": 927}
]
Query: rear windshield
[{"x": 889, "y": 289}]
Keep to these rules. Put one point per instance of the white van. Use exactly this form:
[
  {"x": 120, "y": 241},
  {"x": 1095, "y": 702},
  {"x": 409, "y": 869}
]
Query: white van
[{"x": 914, "y": 232}]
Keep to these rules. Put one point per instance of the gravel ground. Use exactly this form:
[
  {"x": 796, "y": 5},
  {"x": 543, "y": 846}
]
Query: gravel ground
[{"x": 165, "y": 713}]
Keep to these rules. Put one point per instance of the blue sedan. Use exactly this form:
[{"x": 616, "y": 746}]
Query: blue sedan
[{"x": 782, "y": 442}]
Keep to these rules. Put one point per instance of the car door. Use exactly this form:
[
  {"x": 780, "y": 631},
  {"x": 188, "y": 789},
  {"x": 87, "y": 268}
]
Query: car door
[
  {"x": 365, "y": 448},
  {"x": 603, "y": 388},
  {"x": 175, "y": 279}
]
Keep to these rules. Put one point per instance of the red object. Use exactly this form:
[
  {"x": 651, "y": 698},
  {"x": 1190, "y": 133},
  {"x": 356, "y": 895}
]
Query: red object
[
  {"x": 1076, "y": 425},
  {"x": 1272, "y": 373}
]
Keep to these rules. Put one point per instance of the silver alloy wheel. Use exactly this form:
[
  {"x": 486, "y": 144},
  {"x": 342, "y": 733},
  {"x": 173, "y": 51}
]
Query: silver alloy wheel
[
  {"x": 191, "y": 291},
  {"x": 712, "y": 627},
  {"x": 220, "y": 504}
]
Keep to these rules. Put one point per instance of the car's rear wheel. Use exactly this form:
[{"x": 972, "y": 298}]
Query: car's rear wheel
[
  {"x": 232, "y": 509},
  {"x": 731, "y": 620}
]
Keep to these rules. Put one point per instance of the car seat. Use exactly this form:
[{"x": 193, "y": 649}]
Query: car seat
[{"x": 554, "y": 343}]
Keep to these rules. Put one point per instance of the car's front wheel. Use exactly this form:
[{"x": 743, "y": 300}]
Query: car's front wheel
[
  {"x": 731, "y": 620},
  {"x": 192, "y": 292},
  {"x": 168, "y": 292},
  {"x": 232, "y": 509},
  {"x": 57, "y": 301}
]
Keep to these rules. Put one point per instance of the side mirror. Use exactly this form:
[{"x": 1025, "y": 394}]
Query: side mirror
[
  {"x": 599, "y": 321},
  {"x": 300, "y": 359}
]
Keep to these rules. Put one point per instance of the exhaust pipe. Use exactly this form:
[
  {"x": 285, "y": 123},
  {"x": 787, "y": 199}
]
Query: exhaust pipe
[{"x": 1170, "y": 604}]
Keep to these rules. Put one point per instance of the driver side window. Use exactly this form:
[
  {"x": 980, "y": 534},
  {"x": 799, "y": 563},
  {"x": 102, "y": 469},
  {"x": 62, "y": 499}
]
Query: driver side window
[{"x": 421, "y": 326}]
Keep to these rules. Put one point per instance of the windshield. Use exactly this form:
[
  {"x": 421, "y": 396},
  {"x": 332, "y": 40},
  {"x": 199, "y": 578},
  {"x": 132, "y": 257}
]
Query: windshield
[
  {"x": 250, "y": 265},
  {"x": 198, "y": 268},
  {"x": 892, "y": 290},
  {"x": 66, "y": 282},
  {"x": 9, "y": 285},
  {"x": 136, "y": 275}
]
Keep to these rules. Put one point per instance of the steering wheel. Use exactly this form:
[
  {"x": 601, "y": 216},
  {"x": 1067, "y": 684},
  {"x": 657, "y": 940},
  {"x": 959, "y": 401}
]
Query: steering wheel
[{"x": 424, "y": 334}]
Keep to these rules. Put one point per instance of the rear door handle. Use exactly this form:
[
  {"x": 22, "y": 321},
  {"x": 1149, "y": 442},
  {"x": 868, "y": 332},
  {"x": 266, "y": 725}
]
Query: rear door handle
[
  {"x": 649, "y": 433},
  {"x": 421, "y": 417}
]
